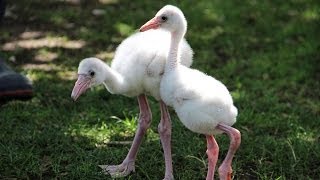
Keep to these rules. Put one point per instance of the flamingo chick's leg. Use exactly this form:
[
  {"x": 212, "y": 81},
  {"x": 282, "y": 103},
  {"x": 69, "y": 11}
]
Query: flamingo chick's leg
[
  {"x": 164, "y": 129},
  {"x": 127, "y": 166},
  {"x": 212, "y": 152},
  {"x": 225, "y": 169}
]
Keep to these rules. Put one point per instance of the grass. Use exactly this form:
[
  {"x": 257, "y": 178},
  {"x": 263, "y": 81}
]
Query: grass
[{"x": 266, "y": 52}]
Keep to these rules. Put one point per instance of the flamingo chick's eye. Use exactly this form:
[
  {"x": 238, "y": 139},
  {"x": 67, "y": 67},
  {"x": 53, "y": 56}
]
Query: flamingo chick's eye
[
  {"x": 164, "y": 18},
  {"x": 92, "y": 73}
]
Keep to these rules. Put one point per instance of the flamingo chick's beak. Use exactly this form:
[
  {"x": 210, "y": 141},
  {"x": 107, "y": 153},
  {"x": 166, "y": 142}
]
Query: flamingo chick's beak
[
  {"x": 154, "y": 23},
  {"x": 81, "y": 85}
]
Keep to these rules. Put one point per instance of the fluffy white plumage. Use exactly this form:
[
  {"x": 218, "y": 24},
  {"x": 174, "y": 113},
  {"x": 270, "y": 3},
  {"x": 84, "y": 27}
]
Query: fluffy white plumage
[
  {"x": 201, "y": 101},
  {"x": 138, "y": 64},
  {"x": 136, "y": 70},
  {"x": 203, "y": 104}
]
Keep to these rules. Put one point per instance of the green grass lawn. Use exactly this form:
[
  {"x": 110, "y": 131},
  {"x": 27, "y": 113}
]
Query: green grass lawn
[{"x": 266, "y": 52}]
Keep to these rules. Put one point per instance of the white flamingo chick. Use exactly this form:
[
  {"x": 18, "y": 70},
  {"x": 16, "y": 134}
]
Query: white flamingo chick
[
  {"x": 202, "y": 103},
  {"x": 136, "y": 70}
]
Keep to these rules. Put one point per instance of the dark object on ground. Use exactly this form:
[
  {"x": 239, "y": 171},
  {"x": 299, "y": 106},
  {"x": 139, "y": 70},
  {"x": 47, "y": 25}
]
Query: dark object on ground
[
  {"x": 13, "y": 86},
  {"x": 2, "y": 9}
]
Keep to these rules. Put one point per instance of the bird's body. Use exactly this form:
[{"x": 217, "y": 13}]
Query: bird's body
[
  {"x": 138, "y": 64},
  {"x": 141, "y": 61},
  {"x": 135, "y": 71},
  {"x": 200, "y": 101}
]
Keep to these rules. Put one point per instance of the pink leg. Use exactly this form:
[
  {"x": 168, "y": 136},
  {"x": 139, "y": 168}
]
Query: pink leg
[
  {"x": 127, "y": 166},
  {"x": 164, "y": 129},
  {"x": 225, "y": 169},
  {"x": 212, "y": 152}
]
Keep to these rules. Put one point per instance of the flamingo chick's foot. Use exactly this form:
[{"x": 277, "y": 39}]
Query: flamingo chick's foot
[
  {"x": 120, "y": 170},
  {"x": 225, "y": 172}
]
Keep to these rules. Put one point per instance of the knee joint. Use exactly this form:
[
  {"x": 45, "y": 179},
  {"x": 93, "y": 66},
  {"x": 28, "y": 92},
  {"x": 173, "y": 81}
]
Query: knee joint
[
  {"x": 145, "y": 121},
  {"x": 164, "y": 129}
]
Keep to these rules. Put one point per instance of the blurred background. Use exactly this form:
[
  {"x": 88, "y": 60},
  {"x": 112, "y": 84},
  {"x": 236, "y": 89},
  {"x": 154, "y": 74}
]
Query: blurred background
[{"x": 266, "y": 52}]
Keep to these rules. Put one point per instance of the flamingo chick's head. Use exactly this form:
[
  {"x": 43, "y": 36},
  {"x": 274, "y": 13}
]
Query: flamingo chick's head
[
  {"x": 90, "y": 73},
  {"x": 169, "y": 18}
]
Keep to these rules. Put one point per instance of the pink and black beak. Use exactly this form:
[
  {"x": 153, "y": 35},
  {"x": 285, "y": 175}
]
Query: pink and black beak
[
  {"x": 81, "y": 85},
  {"x": 154, "y": 23}
]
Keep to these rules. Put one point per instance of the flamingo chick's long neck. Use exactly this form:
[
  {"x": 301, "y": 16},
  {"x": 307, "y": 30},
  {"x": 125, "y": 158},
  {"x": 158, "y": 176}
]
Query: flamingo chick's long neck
[
  {"x": 173, "y": 58},
  {"x": 114, "y": 81}
]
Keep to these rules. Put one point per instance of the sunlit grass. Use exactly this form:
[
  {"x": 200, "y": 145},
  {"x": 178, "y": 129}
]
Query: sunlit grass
[
  {"x": 44, "y": 55},
  {"x": 124, "y": 29},
  {"x": 311, "y": 14},
  {"x": 105, "y": 55},
  {"x": 50, "y": 42}
]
